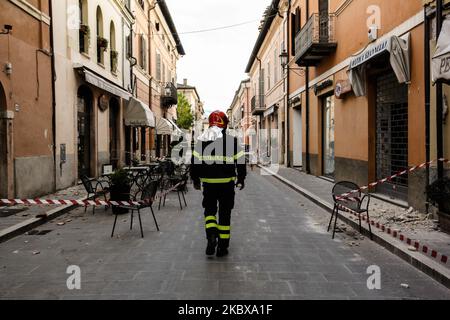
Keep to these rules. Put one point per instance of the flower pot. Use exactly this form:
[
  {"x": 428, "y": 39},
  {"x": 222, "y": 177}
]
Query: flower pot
[
  {"x": 444, "y": 221},
  {"x": 120, "y": 193}
]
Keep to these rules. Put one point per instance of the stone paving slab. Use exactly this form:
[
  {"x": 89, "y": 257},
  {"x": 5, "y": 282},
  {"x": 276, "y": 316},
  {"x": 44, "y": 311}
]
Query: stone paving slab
[{"x": 279, "y": 251}]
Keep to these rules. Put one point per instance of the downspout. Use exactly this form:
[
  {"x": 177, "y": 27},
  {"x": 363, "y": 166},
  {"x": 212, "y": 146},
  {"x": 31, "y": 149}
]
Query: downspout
[
  {"x": 427, "y": 98},
  {"x": 307, "y": 160},
  {"x": 260, "y": 118},
  {"x": 439, "y": 99},
  {"x": 288, "y": 111},
  {"x": 52, "y": 44}
]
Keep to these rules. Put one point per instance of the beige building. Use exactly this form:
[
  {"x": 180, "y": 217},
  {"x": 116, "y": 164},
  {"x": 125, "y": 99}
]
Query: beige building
[
  {"x": 268, "y": 92},
  {"x": 92, "y": 85},
  {"x": 241, "y": 119},
  {"x": 192, "y": 96}
]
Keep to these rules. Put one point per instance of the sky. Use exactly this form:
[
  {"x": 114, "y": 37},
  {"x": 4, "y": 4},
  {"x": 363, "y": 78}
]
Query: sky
[{"x": 215, "y": 61}]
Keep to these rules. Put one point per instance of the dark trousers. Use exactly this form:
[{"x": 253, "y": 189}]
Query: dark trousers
[{"x": 218, "y": 198}]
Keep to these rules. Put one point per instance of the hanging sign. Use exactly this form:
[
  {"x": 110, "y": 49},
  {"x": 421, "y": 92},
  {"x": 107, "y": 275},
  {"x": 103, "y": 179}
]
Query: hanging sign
[{"x": 342, "y": 88}]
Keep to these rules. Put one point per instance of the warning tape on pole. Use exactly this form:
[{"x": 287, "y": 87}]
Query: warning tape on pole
[
  {"x": 347, "y": 196},
  {"x": 399, "y": 236},
  {"x": 33, "y": 202}
]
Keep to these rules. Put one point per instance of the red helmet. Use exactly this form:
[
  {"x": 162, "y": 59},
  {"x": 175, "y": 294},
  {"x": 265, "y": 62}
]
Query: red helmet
[{"x": 218, "y": 119}]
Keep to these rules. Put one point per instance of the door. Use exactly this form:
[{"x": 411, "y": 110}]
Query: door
[
  {"x": 392, "y": 134},
  {"x": 297, "y": 142},
  {"x": 114, "y": 152},
  {"x": 3, "y": 146},
  {"x": 84, "y": 106},
  {"x": 328, "y": 137},
  {"x": 323, "y": 21}
]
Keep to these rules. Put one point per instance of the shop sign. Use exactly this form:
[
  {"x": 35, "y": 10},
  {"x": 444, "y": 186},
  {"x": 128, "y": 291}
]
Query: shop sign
[{"x": 342, "y": 88}]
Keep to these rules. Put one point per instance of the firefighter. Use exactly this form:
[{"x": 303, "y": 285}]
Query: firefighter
[{"x": 218, "y": 163}]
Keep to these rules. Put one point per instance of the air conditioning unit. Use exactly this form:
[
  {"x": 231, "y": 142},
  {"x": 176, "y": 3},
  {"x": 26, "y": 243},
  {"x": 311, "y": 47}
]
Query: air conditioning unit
[{"x": 373, "y": 33}]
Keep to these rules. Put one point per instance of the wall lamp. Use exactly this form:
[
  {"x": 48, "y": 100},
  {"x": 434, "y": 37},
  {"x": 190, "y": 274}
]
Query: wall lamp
[{"x": 7, "y": 28}]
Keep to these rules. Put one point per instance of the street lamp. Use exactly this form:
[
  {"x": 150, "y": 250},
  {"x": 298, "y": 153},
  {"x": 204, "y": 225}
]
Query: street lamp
[{"x": 284, "y": 58}]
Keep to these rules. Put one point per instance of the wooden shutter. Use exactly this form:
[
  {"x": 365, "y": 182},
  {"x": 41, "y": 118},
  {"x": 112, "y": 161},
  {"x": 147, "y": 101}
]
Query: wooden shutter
[{"x": 158, "y": 67}]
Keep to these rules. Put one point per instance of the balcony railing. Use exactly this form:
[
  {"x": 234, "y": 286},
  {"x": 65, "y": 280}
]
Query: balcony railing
[
  {"x": 316, "y": 40},
  {"x": 169, "y": 94},
  {"x": 257, "y": 105}
]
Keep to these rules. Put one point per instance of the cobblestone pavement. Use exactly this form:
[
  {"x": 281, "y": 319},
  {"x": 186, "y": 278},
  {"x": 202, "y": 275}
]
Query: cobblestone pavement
[{"x": 279, "y": 250}]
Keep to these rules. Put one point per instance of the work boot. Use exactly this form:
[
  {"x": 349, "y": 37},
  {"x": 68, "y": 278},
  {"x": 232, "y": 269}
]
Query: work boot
[
  {"x": 212, "y": 243},
  {"x": 221, "y": 252}
]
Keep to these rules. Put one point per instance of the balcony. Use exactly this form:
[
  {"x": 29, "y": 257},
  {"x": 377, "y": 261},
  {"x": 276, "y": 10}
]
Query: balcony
[
  {"x": 316, "y": 40},
  {"x": 257, "y": 105},
  {"x": 169, "y": 96}
]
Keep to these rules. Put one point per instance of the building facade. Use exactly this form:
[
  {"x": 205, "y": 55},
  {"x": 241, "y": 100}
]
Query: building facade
[
  {"x": 197, "y": 110},
  {"x": 241, "y": 119},
  {"x": 26, "y": 101},
  {"x": 268, "y": 102}
]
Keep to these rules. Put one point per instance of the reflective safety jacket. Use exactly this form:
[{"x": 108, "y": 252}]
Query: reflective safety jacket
[{"x": 220, "y": 161}]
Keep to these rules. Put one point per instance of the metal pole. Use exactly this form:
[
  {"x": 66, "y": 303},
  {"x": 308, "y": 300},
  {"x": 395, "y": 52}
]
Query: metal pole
[
  {"x": 439, "y": 99},
  {"x": 308, "y": 166},
  {"x": 427, "y": 97}
]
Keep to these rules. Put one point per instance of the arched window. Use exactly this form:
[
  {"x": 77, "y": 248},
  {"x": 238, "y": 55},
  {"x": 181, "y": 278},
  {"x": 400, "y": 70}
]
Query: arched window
[
  {"x": 114, "y": 53},
  {"x": 84, "y": 27},
  {"x": 102, "y": 43}
]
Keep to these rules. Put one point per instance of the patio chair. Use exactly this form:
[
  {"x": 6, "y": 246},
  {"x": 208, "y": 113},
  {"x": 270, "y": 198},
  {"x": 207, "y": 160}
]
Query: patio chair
[
  {"x": 354, "y": 202},
  {"x": 147, "y": 195},
  {"x": 95, "y": 189}
]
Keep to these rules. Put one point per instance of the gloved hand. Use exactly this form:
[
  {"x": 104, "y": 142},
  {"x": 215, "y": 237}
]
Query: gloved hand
[
  {"x": 197, "y": 185},
  {"x": 240, "y": 184}
]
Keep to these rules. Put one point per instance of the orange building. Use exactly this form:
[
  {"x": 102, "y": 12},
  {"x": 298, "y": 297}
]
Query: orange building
[
  {"x": 357, "y": 96},
  {"x": 26, "y": 131}
]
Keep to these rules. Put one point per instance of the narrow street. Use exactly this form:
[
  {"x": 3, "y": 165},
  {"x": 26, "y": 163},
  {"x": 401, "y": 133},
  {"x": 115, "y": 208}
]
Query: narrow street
[{"x": 279, "y": 250}]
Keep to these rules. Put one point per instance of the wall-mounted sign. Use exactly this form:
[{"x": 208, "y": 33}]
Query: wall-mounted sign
[
  {"x": 319, "y": 87},
  {"x": 103, "y": 103},
  {"x": 342, "y": 88}
]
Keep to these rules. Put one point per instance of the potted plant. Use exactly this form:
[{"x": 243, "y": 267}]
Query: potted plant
[
  {"x": 114, "y": 60},
  {"x": 102, "y": 43},
  {"x": 84, "y": 29},
  {"x": 439, "y": 195},
  {"x": 120, "y": 188}
]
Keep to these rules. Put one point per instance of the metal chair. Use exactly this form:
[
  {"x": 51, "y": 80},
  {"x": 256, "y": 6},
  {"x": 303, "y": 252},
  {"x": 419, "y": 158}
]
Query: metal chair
[
  {"x": 92, "y": 188},
  {"x": 354, "y": 202},
  {"x": 147, "y": 198}
]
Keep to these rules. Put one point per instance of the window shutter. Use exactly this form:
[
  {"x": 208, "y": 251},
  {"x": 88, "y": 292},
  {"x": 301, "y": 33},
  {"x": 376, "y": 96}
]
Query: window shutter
[
  {"x": 158, "y": 67},
  {"x": 293, "y": 33},
  {"x": 144, "y": 54}
]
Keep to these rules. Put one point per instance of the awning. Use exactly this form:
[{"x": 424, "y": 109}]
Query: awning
[
  {"x": 271, "y": 110},
  {"x": 163, "y": 126},
  {"x": 138, "y": 114},
  {"x": 441, "y": 59},
  {"x": 103, "y": 83},
  {"x": 176, "y": 130},
  {"x": 399, "y": 59}
]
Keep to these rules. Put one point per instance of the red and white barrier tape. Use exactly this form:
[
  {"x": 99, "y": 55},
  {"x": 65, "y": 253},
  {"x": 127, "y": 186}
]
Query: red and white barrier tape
[
  {"x": 98, "y": 203},
  {"x": 347, "y": 196},
  {"x": 397, "y": 235}
]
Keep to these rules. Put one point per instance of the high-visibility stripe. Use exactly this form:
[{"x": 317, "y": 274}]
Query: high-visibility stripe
[
  {"x": 211, "y": 225},
  {"x": 214, "y": 158},
  {"x": 197, "y": 155},
  {"x": 217, "y": 180},
  {"x": 239, "y": 155},
  {"x": 224, "y": 236},
  {"x": 210, "y": 218},
  {"x": 224, "y": 228}
]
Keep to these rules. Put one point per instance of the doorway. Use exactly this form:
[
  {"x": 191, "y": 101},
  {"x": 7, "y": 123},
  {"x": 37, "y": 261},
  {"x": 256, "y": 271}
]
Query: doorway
[
  {"x": 297, "y": 142},
  {"x": 3, "y": 146},
  {"x": 114, "y": 151},
  {"x": 328, "y": 124},
  {"x": 323, "y": 21},
  {"x": 391, "y": 134},
  {"x": 84, "y": 106}
]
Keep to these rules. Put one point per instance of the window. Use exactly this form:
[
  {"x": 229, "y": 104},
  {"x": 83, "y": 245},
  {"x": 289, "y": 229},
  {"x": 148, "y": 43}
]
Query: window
[
  {"x": 84, "y": 33},
  {"x": 276, "y": 60},
  {"x": 268, "y": 76},
  {"x": 102, "y": 43},
  {"x": 142, "y": 52},
  {"x": 296, "y": 25},
  {"x": 158, "y": 67},
  {"x": 128, "y": 47},
  {"x": 114, "y": 55},
  {"x": 141, "y": 4},
  {"x": 157, "y": 26}
]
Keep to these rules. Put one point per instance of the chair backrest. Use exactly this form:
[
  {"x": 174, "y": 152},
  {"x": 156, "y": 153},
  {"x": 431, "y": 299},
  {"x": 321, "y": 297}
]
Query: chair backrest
[
  {"x": 149, "y": 192},
  {"x": 87, "y": 184},
  {"x": 343, "y": 187}
]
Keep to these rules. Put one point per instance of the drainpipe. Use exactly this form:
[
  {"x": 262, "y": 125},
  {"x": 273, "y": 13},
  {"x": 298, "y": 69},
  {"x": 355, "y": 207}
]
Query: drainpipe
[
  {"x": 288, "y": 113},
  {"x": 260, "y": 118},
  {"x": 427, "y": 98},
  {"x": 439, "y": 99},
  {"x": 307, "y": 160},
  {"x": 52, "y": 45}
]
